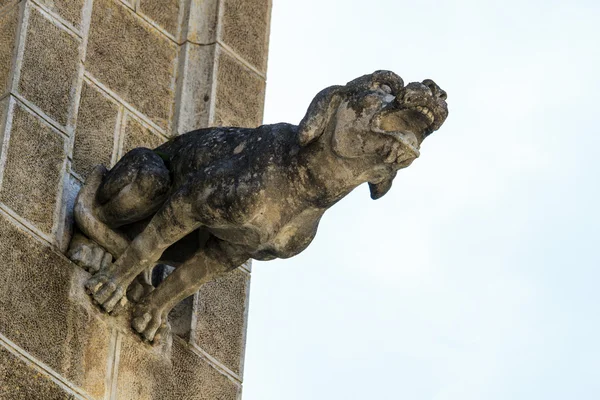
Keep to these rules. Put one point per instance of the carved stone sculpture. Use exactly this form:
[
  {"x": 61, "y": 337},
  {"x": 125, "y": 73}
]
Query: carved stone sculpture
[{"x": 206, "y": 201}]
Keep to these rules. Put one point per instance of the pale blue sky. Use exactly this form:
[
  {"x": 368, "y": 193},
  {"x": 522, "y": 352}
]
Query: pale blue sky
[{"x": 477, "y": 276}]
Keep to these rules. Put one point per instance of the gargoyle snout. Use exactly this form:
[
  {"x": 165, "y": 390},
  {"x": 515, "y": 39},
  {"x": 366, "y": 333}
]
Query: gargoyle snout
[
  {"x": 416, "y": 92},
  {"x": 436, "y": 91}
]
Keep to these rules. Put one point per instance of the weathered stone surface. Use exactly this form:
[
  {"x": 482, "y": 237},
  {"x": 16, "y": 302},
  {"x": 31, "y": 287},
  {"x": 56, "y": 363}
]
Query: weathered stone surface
[
  {"x": 137, "y": 135},
  {"x": 50, "y": 67},
  {"x": 70, "y": 10},
  {"x": 8, "y": 29},
  {"x": 195, "y": 379},
  {"x": 146, "y": 373},
  {"x": 240, "y": 94},
  {"x": 221, "y": 308},
  {"x": 166, "y": 13},
  {"x": 3, "y": 113},
  {"x": 19, "y": 381},
  {"x": 94, "y": 138},
  {"x": 203, "y": 21},
  {"x": 32, "y": 175},
  {"x": 133, "y": 59},
  {"x": 196, "y": 95},
  {"x": 5, "y": 3},
  {"x": 37, "y": 311},
  {"x": 71, "y": 187},
  {"x": 245, "y": 28}
]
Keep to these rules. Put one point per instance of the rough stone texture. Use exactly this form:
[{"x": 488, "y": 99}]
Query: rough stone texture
[
  {"x": 94, "y": 138},
  {"x": 132, "y": 59},
  {"x": 195, "y": 379},
  {"x": 245, "y": 28},
  {"x": 8, "y": 41},
  {"x": 164, "y": 12},
  {"x": 196, "y": 90},
  {"x": 221, "y": 308},
  {"x": 3, "y": 110},
  {"x": 50, "y": 67},
  {"x": 4, "y": 3},
  {"x": 19, "y": 381},
  {"x": 37, "y": 311},
  {"x": 145, "y": 373},
  {"x": 33, "y": 169},
  {"x": 137, "y": 135},
  {"x": 240, "y": 94},
  {"x": 70, "y": 10}
]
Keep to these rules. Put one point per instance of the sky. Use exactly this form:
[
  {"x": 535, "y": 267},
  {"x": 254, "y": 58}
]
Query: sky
[{"x": 476, "y": 276}]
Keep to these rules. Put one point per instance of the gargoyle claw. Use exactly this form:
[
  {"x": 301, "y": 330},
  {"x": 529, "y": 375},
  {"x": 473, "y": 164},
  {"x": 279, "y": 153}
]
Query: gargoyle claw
[
  {"x": 148, "y": 322},
  {"x": 140, "y": 323},
  {"x": 94, "y": 283},
  {"x": 88, "y": 255},
  {"x": 105, "y": 292}
]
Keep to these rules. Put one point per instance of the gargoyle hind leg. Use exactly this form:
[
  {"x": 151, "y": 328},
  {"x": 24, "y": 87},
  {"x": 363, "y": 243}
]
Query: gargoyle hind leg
[
  {"x": 89, "y": 223},
  {"x": 131, "y": 191},
  {"x": 212, "y": 261},
  {"x": 171, "y": 222},
  {"x": 135, "y": 188}
]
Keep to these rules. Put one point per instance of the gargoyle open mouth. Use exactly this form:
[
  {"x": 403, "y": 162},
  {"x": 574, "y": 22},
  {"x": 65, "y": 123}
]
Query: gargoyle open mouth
[
  {"x": 426, "y": 112},
  {"x": 416, "y": 111}
]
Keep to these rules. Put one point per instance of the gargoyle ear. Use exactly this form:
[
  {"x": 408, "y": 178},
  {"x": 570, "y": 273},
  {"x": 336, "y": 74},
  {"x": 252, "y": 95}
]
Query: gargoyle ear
[
  {"x": 378, "y": 190},
  {"x": 317, "y": 116}
]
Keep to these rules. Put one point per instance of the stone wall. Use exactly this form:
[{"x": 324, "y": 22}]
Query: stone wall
[{"x": 81, "y": 83}]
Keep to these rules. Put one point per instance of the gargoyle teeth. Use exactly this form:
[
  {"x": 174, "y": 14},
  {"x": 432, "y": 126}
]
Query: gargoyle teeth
[{"x": 426, "y": 112}]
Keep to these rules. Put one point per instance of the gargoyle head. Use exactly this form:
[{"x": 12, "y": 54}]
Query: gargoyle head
[{"x": 378, "y": 120}]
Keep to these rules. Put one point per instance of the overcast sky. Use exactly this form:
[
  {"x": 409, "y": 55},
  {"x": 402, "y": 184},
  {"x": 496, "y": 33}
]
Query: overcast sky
[{"x": 477, "y": 276}]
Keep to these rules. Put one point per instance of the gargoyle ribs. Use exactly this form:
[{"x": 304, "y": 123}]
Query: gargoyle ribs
[{"x": 210, "y": 199}]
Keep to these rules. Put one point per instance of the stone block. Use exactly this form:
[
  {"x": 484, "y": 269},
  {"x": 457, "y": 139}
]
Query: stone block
[
  {"x": 144, "y": 372},
  {"x": 19, "y": 381},
  {"x": 50, "y": 67},
  {"x": 95, "y": 134},
  {"x": 33, "y": 171},
  {"x": 133, "y": 59},
  {"x": 137, "y": 135},
  {"x": 196, "y": 379},
  {"x": 240, "y": 94},
  {"x": 44, "y": 311},
  {"x": 8, "y": 40},
  {"x": 245, "y": 28},
  {"x": 69, "y": 10},
  {"x": 166, "y": 13},
  {"x": 221, "y": 315},
  {"x": 196, "y": 87}
]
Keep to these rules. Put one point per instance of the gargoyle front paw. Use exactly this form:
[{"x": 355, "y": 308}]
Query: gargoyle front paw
[
  {"x": 88, "y": 255},
  {"x": 106, "y": 291},
  {"x": 150, "y": 322}
]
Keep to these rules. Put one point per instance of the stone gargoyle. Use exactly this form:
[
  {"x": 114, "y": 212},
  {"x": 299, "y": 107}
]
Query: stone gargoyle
[{"x": 208, "y": 200}]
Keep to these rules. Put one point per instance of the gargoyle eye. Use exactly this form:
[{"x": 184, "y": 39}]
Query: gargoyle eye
[{"x": 386, "y": 89}]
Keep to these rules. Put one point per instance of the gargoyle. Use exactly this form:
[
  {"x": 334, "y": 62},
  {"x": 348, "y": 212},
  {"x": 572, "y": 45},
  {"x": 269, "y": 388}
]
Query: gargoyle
[{"x": 208, "y": 200}]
